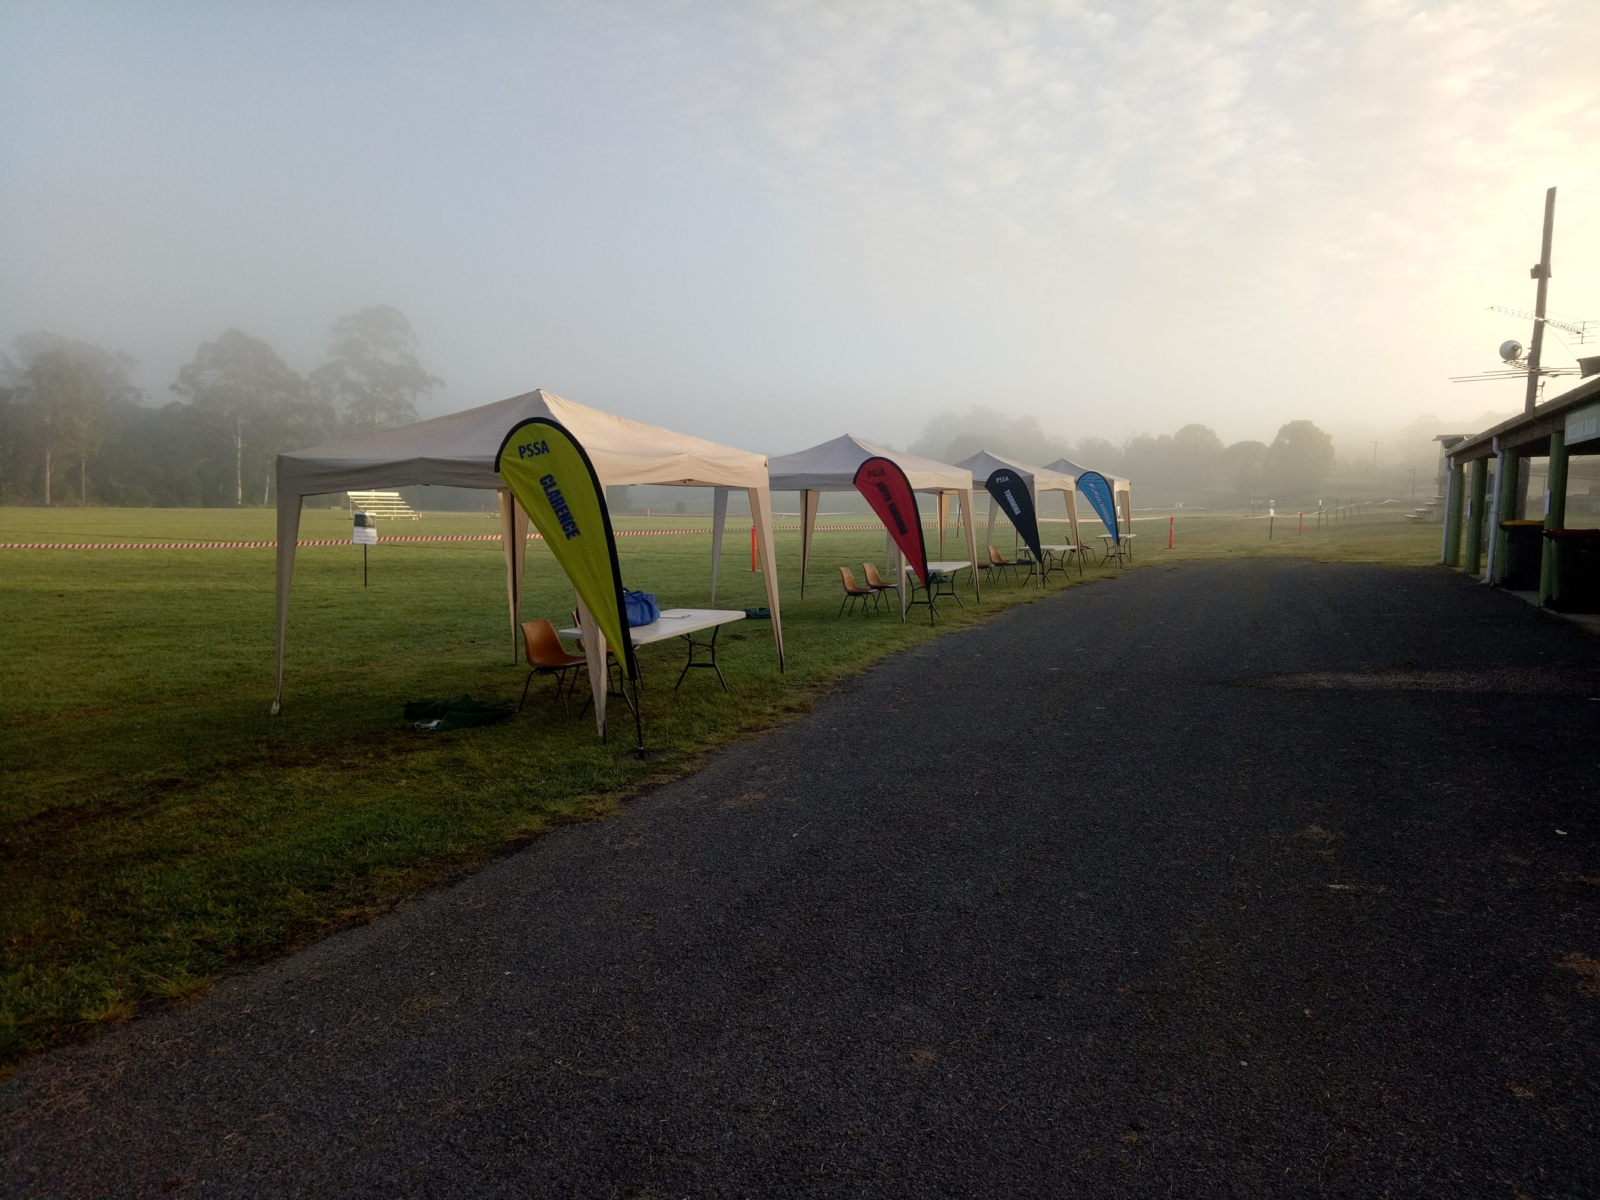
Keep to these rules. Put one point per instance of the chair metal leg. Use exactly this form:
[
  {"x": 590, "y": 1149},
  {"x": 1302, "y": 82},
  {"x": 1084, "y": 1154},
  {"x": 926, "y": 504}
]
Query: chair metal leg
[{"x": 525, "y": 688}]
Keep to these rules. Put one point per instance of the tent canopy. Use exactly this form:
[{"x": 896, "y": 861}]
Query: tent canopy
[
  {"x": 1065, "y": 466},
  {"x": 831, "y": 467},
  {"x": 459, "y": 451},
  {"x": 1040, "y": 479}
]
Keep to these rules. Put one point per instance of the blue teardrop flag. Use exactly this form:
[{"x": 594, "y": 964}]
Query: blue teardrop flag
[{"x": 1093, "y": 485}]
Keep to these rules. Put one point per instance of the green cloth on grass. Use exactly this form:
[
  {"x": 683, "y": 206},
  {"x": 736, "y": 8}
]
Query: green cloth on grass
[{"x": 459, "y": 712}]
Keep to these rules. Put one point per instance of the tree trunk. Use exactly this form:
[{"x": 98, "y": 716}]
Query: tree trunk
[
  {"x": 238, "y": 463},
  {"x": 266, "y": 490},
  {"x": 83, "y": 482},
  {"x": 47, "y": 476}
]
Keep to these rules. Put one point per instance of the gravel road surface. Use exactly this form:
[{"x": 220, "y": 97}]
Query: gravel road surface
[{"x": 1253, "y": 879}]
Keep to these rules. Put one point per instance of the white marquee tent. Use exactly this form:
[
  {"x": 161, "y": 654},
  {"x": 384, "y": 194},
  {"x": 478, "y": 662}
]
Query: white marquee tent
[
  {"x": 1121, "y": 489},
  {"x": 832, "y": 466},
  {"x": 459, "y": 451},
  {"x": 1039, "y": 479}
]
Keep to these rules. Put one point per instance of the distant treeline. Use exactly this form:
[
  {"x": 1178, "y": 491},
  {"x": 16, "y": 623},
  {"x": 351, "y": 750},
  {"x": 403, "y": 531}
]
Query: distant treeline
[
  {"x": 75, "y": 430},
  {"x": 1192, "y": 465}
]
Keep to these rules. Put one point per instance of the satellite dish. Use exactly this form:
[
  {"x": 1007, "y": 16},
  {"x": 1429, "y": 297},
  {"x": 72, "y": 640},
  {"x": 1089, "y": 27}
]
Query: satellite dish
[{"x": 1511, "y": 351}]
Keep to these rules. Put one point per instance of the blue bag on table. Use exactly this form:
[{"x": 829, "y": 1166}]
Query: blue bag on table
[{"x": 641, "y": 607}]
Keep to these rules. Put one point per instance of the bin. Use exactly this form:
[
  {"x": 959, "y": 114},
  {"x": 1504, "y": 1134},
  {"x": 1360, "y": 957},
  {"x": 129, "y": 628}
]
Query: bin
[
  {"x": 1524, "y": 547},
  {"x": 1577, "y": 563}
]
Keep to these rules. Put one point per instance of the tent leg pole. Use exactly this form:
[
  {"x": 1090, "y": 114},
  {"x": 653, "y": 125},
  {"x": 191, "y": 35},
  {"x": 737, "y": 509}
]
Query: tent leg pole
[
  {"x": 288, "y": 538},
  {"x": 761, "y": 531},
  {"x": 509, "y": 528},
  {"x": 810, "y": 502},
  {"x": 719, "y": 521}
]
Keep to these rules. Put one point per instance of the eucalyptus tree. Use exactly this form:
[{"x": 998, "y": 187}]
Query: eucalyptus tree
[
  {"x": 62, "y": 391},
  {"x": 1244, "y": 468},
  {"x": 1299, "y": 459},
  {"x": 373, "y": 377},
  {"x": 67, "y": 402},
  {"x": 241, "y": 392}
]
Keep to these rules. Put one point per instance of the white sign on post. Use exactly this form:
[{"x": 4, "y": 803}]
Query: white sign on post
[{"x": 365, "y": 532}]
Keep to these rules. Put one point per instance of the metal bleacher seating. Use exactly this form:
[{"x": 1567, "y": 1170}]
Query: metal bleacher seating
[{"x": 382, "y": 504}]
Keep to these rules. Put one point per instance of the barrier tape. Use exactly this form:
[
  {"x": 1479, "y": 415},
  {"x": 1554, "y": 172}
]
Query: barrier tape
[
  {"x": 442, "y": 537},
  {"x": 437, "y": 537}
]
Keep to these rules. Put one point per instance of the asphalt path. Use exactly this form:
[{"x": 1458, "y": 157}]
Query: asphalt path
[{"x": 1260, "y": 878}]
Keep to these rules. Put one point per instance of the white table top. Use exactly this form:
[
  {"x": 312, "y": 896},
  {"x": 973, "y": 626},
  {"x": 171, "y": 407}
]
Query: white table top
[
  {"x": 1106, "y": 537},
  {"x": 939, "y": 566},
  {"x": 1058, "y": 549},
  {"x": 675, "y": 622}
]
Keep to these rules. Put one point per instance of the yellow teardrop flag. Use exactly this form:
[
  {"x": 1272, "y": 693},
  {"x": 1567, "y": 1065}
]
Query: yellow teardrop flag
[{"x": 550, "y": 474}]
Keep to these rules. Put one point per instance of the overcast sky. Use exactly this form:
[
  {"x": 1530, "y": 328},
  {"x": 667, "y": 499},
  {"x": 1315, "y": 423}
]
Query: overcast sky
[{"x": 771, "y": 224}]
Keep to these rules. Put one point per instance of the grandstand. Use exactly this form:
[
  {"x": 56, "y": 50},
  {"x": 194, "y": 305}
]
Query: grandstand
[{"x": 382, "y": 504}]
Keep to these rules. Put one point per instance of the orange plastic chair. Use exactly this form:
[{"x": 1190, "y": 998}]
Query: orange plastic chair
[
  {"x": 998, "y": 564},
  {"x": 877, "y": 582},
  {"x": 547, "y": 656},
  {"x": 853, "y": 592}
]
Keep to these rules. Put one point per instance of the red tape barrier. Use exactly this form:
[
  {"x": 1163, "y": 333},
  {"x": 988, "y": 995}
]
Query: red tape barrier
[{"x": 437, "y": 537}]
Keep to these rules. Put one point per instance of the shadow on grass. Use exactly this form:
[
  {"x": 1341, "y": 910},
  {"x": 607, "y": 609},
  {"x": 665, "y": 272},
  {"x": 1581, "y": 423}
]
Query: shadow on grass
[{"x": 158, "y": 827}]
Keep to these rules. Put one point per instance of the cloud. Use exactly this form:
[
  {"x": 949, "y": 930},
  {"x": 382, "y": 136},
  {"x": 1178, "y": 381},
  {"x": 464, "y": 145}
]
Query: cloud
[
  {"x": 785, "y": 217},
  {"x": 1287, "y": 181}
]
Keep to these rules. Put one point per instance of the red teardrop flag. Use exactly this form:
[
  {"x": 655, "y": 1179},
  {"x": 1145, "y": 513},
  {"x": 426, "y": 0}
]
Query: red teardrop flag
[{"x": 889, "y": 492}]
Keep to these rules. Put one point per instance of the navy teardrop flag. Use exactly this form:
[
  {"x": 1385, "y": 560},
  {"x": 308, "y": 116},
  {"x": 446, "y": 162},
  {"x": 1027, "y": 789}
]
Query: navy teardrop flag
[
  {"x": 889, "y": 492},
  {"x": 1010, "y": 492},
  {"x": 1093, "y": 485}
]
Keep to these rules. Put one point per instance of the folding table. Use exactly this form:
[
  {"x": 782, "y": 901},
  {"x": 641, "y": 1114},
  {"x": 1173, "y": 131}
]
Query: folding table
[
  {"x": 940, "y": 575},
  {"x": 684, "y": 623},
  {"x": 1120, "y": 551}
]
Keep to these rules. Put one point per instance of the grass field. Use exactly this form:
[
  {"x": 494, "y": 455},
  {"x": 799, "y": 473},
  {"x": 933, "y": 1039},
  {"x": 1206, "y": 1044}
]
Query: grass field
[{"x": 156, "y": 825}]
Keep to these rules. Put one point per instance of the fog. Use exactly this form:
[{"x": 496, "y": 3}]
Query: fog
[{"x": 774, "y": 224}]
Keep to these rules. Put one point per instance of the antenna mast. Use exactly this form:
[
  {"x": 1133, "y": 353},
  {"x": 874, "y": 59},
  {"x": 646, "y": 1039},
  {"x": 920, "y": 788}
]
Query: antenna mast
[{"x": 1541, "y": 272}]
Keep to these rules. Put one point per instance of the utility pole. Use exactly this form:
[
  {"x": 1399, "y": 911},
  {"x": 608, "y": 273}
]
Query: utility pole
[{"x": 1541, "y": 272}]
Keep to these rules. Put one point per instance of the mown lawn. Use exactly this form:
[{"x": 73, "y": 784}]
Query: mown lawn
[{"x": 156, "y": 825}]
